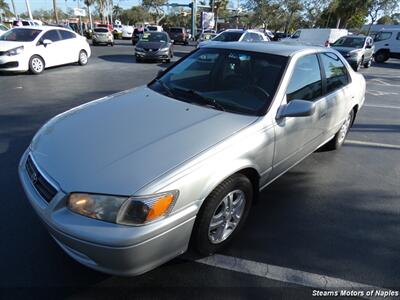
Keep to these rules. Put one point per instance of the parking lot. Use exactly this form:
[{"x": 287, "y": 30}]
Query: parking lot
[{"x": 335, "y": 216}]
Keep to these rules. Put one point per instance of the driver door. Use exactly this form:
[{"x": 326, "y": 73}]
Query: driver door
[
  {"x": 296, "y": 137},
  {"x": 51, "y": 53}
]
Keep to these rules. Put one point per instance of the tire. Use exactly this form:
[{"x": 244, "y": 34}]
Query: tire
[
  {"x": 139, "y": 60},
  {"x": 368, "y": 63},
  {"x": 207, "y": 240},
  {"x": 337, "y": 141},
  {"x": 356, "y": 67},
  {"x": 36, "y": 65},
  {"x": 381, "y": 56},
  {"x": 83, "y": 58}
]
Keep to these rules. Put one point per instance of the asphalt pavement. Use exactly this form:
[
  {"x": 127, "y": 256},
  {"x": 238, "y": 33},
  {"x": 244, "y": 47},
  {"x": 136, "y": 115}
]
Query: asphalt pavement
[{"x": 336, "y": 214}]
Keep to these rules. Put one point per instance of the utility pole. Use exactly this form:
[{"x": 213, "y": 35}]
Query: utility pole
[
  {"x": 55, "y": 11},
  {"x": 15, "y": 11},
  {"x": 194, "y": 12},
  {"x": 28, "y": 7},
  {"x": 80, "y": 19}
]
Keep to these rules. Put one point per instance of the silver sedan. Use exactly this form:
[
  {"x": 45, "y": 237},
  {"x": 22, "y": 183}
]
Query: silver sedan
[{"x": 124, "y": 183}]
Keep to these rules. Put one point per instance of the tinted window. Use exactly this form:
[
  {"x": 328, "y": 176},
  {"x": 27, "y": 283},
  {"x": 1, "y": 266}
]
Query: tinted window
[
  {"x": 228, "y": 36},
  {"x": 66, "y": 35},
  {"x": 51, "y": 35},
  {"x": 154, "y": 36},
  {"x": 351, "y": 42},
  {"x": 239, "y": 81},
  {"x": 20, "y": 35},
  {"x": 103, "y": 30},
  {"x": 381, "y": 36},
  {"x": 247, "y": 37},
  {"x": 176, "y": 30},
  {"x": 335, "y": 72},
  {"x": 305, "y": 83}
]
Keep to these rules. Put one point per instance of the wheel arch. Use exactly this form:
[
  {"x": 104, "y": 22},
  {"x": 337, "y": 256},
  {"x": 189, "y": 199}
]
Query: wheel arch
[{"x": 29, "y": 61}]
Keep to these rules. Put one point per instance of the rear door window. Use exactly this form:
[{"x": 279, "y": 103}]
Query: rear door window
[
  {"x": 306, "y": 81},
  {"x": 51, "y": 35},
  {"x": 66, "y": 35},
  {"x": 335, "y": 72}
]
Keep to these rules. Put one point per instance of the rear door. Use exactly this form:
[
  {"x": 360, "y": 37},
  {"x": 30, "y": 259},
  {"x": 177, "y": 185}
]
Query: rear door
[
  {"x": 69, "y": 46},
  {"x": 337, "y": 91},
  {"x": 296, "y": 137}
]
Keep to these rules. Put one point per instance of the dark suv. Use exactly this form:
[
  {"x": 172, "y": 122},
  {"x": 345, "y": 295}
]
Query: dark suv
[{"x": 178, "y": 35}]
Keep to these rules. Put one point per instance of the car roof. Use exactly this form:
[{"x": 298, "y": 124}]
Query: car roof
[
  {"x": 266, "y": 47},
  {"x": 42, "y": 27}
]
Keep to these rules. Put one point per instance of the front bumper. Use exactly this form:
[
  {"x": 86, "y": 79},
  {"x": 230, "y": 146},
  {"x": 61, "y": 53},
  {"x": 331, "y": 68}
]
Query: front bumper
[
  {"x": 107, "y": 247},
  {"x": 152, "y": 55},
  {"x": 103, "y": 40},
  {"x": 13, "y": 63}
]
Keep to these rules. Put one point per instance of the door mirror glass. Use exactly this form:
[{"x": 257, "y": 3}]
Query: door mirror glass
[{"x": 296, "y": 108}]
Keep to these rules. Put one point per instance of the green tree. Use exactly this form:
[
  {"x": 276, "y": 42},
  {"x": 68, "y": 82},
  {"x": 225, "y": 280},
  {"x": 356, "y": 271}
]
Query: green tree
[
  {"x": 313, "y": 10},
  {"x": 291, "y": 8},
  {"x": 265, "y": 13},
  {"x": 155, "y": 7},
  {"x": 4, "y": 9},
  {"x": 136, "y": 14},
  {"x": 385, "y": 20},
  {"x": 376, "y": 7},
  {"x": 219, "y": 9}
]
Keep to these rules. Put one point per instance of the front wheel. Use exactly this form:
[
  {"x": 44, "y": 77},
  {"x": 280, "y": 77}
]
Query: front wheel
[
  {"x": 381, "y": 56},
  {"x": 368, "y": 63},
  {"x": 83, "y": 58},
  {"x": 222, "y": 215},
  {"x": 357, "y": 66},
  {"x": 36, "y": 65},
  {"x": 339, "y": 138}
]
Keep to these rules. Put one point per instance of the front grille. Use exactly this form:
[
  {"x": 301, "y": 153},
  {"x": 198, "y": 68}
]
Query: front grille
[
  {"x": 150, "y": 49},
  {"x": 44, "y": 188}
]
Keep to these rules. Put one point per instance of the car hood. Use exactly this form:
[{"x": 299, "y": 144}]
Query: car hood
[
  {"x": 151, "y": 45},
  {"x": 118, "y": 144},
  {"x": 6, "y": 45}
]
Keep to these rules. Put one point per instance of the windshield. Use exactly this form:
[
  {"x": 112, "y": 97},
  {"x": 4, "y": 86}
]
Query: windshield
[
  {"x": 351, "y": 42},
  {"x": 228, "y": 36},
  {"x": 20, "y": 35},
  {"x": 176, "y": 30},
  {"x": 100, "y": 30},
  {"x": 231, "y": 80},
  {"x": 154, "y": 37}
]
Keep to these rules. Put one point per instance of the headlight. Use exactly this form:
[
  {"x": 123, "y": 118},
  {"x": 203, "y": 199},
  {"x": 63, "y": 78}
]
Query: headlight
[
  {"x": 15, "y": 51},
  {"x": 136, "y": 210},
  {"x": 164, "y": 49},
  {"x": 138, "y": 49},
  {"x": 355, "y": 53}
]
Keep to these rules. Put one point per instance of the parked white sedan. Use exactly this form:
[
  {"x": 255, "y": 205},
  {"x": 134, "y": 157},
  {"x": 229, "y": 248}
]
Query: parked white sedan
[{"x": 36, "y": 48}]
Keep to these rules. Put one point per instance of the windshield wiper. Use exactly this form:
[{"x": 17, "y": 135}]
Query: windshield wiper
[
  {"x": 165, "y": 87},
  {"x": 206, "y": 100}
]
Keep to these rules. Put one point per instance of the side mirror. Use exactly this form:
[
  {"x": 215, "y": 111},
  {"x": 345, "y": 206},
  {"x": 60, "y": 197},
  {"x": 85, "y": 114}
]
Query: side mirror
[
  {"x": 296, "y": 108},
  {"x": 47, "y": 42},
  {"x": 160, "y": 73},
  {"x": 172, "y": 41}
]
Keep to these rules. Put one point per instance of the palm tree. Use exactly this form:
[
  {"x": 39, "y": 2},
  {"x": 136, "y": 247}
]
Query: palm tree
[
  {"x": 4, "y": 8},
  {"x": 89, "y": 3}
]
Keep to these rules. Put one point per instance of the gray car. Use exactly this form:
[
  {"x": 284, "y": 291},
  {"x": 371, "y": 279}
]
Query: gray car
[
  {"x": 154, "y": 45},
  {"x": 124, "y": 183},
  {"x": 357, "y": 50}
]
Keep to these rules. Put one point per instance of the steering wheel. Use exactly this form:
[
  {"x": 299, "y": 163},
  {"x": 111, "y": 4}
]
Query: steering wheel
[{"x": 257, "y": 88}]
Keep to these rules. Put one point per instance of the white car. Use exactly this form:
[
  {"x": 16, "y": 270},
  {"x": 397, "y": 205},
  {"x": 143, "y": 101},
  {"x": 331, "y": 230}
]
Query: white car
[
  {"x": 3, "y": 29},
  {"x": 127, "y": 32},
  {"x": 238, "y": 35},
  {"x": 154, "y": 28},
  {"x": 36, "y": 48},
  {"x": 387, "y": 45}
]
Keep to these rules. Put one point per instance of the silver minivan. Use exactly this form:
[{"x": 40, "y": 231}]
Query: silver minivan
[{"x": 126, "y": 182}]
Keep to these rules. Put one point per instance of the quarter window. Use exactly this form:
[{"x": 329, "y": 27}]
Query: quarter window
[
  {"x": 335, "y": 72},
  {"x": 305, "y": 83}
]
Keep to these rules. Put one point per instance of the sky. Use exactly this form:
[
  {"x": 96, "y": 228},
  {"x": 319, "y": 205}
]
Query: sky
[{"x": 64, "y": 4}]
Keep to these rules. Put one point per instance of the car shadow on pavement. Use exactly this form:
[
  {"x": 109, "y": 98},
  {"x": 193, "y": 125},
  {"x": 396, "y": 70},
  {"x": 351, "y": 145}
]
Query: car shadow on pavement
[
  {"x": 387, "y": 65},
  {"x": 376, "y": 128},
  {"x": 119, "y": 58}
]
